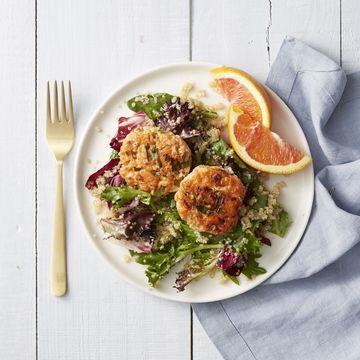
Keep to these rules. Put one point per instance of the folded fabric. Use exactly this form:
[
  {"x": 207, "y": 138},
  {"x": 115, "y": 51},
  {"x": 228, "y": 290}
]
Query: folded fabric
[{"x": 309, "y": 309}]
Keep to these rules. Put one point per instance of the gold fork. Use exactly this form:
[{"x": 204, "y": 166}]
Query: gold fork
[{"x": 60, "y": 138}]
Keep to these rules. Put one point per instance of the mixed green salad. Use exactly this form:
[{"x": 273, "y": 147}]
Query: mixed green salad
[{"x": 150, "y": 225}]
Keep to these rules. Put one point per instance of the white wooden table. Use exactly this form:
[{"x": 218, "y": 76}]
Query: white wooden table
[{"x": 98, "y": 45}]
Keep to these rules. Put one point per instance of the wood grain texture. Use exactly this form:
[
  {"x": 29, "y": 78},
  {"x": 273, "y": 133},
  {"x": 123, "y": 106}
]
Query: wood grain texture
[
  {"x": 204, "y": 349},
  {"x": 249, "y": 36},
  {"x": 98, "y": 47},
  {"x": 239, "y": 39},
  {"x": 231, "y": 32},
  {"x": 350, "y": 32},
  {"x": 17, "y": 190},
  {"x": 315, "y": 22}
]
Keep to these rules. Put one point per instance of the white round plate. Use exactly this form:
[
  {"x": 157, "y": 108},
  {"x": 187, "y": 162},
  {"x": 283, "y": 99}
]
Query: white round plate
[{"x": 296, "y": 197}]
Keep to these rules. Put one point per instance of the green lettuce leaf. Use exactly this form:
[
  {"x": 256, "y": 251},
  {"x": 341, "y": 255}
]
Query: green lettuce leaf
[
  {"x": 234, "y": 279},
  {"x": 159, "y": 262},
  {"x": 249, "y": 243},
  {"x": 114, "y": 154},
  {"x": 220, "y": 153},
  {"x": 123, "y": 194},
  {"x": 150, "y": 104},
  {"x": 281, "y": 224},
  {"x": 261, "y": 202},
  {"x": 252, "y": 267},
  {"x": 197, "y": 267}
]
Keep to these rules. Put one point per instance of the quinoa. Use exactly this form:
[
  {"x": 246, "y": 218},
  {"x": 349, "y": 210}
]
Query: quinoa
[
  {"x": 213, "y": 272},
  {"x": 200, "y": 238},
  {"x": 265, "y": 214},
  {"x": 219, "y": 122},
  {"x": 223, "y": 280},
  {"x": 213, "y": 135},
  {"x": 200, "y": 94},
  {"x": 252, "y": 201},
  {"x": 167, "y": 230},
  {"x": 196, "y": 103},
  {"x": 216, "y": 107},
  {"x": 144, "y": 99},
  {"x": 185, "y": 91},
  {"x": 97, "y": 205},
  {"x": 100, "y": 187},
  {"x": 213, "y": 85},
  {"x": 101, "y": 182}
]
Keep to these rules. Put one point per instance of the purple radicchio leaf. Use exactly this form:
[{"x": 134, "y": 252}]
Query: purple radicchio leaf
[
  {"x": 116, "y": 180},
  {"x": 189, "y": 132},
  {"x": 231, "y": 262},
  {"x": 133, "y": 226},
  {"x": 176, "y": 117},
  {"x": 126, "y": 208},
  {"x": 192, "y": 271},
  {"x": 183, "y": 278},
  {"x": 264, "y": 239},
  {"x": 126, "y": 125},
  {"x": 91, "y": 181}
]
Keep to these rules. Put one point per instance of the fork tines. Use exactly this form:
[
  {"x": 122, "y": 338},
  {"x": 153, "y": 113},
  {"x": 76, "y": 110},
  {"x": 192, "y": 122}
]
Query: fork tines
[{"x": 69, "y": 117}]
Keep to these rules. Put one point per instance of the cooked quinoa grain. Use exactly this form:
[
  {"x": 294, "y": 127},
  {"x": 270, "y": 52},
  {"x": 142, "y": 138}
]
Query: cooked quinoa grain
[
  {"x": 200, "y": 94},
  {"x": 185, "y": 91},
  {"x": 265, "y": 214}
]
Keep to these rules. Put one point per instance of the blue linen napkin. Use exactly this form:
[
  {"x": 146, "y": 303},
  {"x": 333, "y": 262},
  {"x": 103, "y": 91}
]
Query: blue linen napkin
[{"x": 309, "y": 309}]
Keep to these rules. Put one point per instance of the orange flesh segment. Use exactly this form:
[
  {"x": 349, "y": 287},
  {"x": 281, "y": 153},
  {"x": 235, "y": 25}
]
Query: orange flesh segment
[
  {"x": 262, "y": 145},
  {"x": 240, "y": 97}
]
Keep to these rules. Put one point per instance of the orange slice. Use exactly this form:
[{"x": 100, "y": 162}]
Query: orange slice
[
  {"x": 260, "y": 148},
  {"x": 244, "y": 92}
]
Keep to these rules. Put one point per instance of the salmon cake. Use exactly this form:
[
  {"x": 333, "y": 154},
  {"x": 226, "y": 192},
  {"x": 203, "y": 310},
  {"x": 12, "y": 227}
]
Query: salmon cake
[
  {"x": 209, "y": 199},
  {"x": 154, "y": 160}
]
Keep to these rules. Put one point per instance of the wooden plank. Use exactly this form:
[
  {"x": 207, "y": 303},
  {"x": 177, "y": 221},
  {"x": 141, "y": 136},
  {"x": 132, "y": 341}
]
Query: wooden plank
[
  {"x": 231, "y": 32},
  {"x": 249, "y": 36},
  {"x": 350, "y": 32},
  {"x": 17, "y": 191},
  {"x": 99, "y": 46},
  {"x": 203, "y": 347},
  {"x": 315, "y": 22},
  {"x": 238, "y": 38}
]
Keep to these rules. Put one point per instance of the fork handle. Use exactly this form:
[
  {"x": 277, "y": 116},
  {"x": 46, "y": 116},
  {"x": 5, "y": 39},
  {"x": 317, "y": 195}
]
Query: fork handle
[{"x": 58, "y": 260}]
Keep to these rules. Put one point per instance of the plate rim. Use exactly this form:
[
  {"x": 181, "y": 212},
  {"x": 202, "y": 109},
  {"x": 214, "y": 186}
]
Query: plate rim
[{"x": 76, "y": 182}]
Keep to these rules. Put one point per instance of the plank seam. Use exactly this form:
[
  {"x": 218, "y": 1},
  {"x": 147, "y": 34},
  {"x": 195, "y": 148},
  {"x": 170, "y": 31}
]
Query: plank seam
[
  {"x": 268, "y": 32},
  {"x": 191, "y": 333},
  {"x": 190, "y": 28},
  {"x": 190, "y": 58},
  {"x": 36, "y": 193}
]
